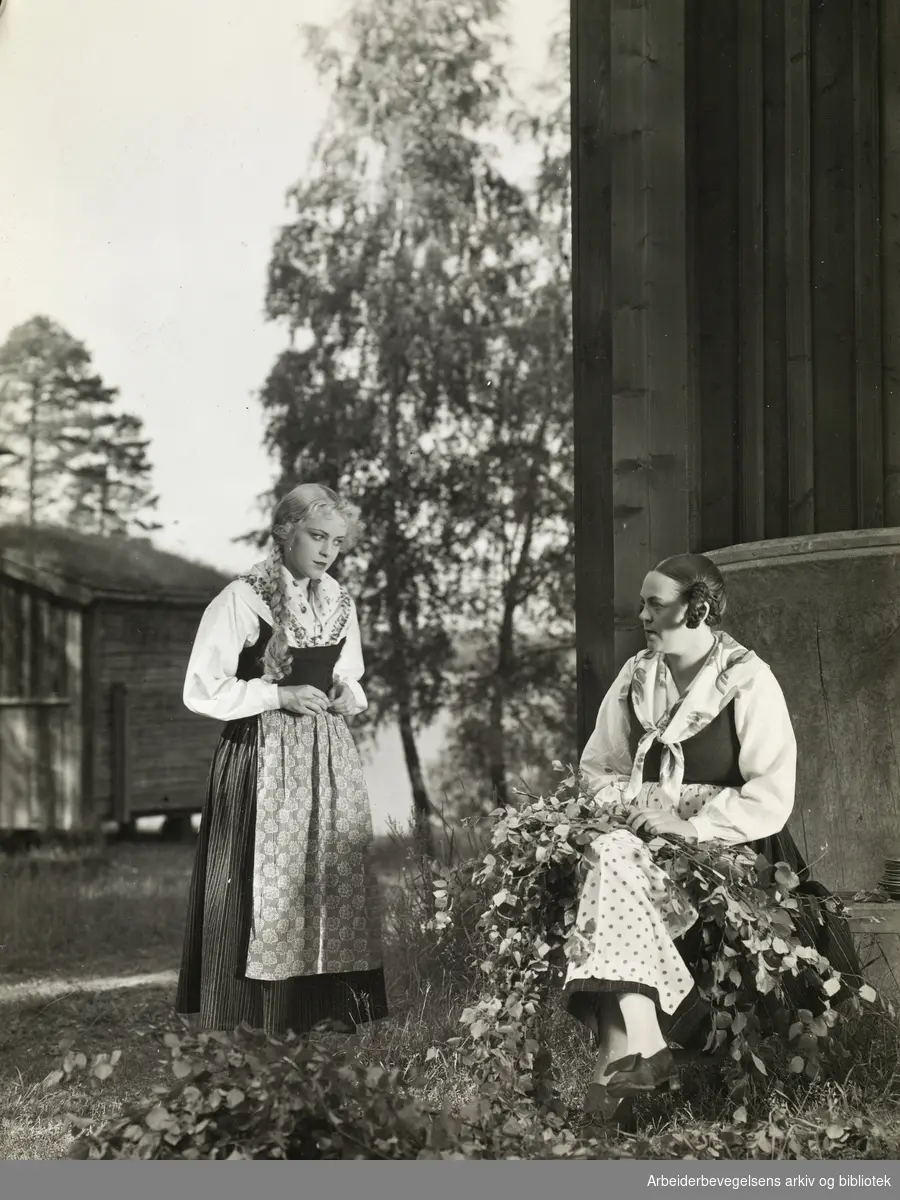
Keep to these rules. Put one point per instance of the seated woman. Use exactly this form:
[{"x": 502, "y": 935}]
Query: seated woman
[{"x": 695, "y": 735}]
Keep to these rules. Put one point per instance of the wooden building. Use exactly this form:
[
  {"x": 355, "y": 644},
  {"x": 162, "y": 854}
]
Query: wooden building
[
  {"x": 95, "y": 635},
  {"x": 736, "y": 223}
]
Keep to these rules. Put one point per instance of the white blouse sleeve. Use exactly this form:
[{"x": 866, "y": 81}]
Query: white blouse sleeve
[
  {"x": 607, "y": 755},
  {"x": 349, "y": 667},
  {"x": 768, "y": 763},
  {"x": 211, "y": 687}
]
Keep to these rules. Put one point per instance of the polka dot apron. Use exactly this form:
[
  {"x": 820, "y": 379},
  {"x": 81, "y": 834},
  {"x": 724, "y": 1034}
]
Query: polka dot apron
[{"x": 630, "y": 912}]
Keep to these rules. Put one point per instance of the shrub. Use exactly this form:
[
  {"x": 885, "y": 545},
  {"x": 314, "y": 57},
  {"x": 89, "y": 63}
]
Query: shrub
[
  {"x": 242, "y": 1097},
  {"x": 508, "y": 917},
  {"x": 247, "y": 1097},
  {"x": 751, "y": 962}
]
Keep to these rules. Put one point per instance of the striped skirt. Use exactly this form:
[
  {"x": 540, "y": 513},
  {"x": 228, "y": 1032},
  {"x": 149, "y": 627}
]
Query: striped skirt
[{"x": 222, "y": 922}]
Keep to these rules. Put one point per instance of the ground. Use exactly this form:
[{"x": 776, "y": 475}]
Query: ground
[
  {"x": 67, "y": 929},
  {"x": 89, "y": 947}
]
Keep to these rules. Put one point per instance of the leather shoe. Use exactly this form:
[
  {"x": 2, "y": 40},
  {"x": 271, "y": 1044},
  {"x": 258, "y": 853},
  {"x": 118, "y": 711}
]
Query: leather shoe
[
  {"x": 644, "y": 1075},
  {"x": 602, "y": 1113}
]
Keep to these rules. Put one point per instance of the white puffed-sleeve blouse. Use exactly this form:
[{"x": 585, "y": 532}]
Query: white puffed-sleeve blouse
[
  {"x": 767, "y": 759},
  {"x": 231, "y": 622}
]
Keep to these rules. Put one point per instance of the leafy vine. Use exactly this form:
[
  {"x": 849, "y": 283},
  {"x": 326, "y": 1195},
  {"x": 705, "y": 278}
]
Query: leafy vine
[{"x": 754, "y": 961}]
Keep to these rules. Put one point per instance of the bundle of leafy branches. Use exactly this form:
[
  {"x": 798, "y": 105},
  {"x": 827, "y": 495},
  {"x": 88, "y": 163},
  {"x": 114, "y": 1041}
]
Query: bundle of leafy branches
[
  {"x": 515, "y": 907},
  {"x": 754, "y": 960},
  {"x": 245, "y": 1096},
  {"x": 242, "y": 1096}
]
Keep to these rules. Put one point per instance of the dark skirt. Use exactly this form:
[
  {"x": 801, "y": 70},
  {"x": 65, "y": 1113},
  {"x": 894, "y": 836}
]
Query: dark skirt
[
  {"x": 817, "y": 926},
  {"x": 212, "y": 983}
]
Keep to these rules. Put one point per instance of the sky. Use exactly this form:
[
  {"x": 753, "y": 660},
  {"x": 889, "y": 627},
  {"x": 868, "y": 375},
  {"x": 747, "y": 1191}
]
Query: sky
[{"x": 145, "y": 153}]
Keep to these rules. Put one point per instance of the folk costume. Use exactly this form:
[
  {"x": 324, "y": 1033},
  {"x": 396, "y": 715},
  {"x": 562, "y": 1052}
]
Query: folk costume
[
  {"x": 283, "y": 926},
  {"x": 723, "y": 756}
]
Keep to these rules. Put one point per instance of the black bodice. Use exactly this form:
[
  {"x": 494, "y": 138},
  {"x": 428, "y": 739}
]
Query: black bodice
[
  {"x": 310, "y": 665},
  {"x": 710, "y": 756}
]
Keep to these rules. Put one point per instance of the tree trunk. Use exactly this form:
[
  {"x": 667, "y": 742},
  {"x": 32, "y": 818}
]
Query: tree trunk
[
  {"x": 104, "y": 497},
  {"x": 423, "y": 834},
  {"x": 32, "y": 455},
  {"x": 506, "y": 647},
  {"x": 422, "y": 806},
  {"x": 496, "y": 738}
]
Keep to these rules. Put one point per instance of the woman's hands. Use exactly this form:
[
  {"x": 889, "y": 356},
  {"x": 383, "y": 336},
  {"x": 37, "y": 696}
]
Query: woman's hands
[
  {"x": 342, "y": 700},
  {"x": 303, "y": 700},
  {"x": 653, "y": 821},
  {"x": 307, "y": 701}
]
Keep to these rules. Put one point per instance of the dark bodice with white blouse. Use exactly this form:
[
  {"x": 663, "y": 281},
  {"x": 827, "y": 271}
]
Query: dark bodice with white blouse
[
  {"x": 312, "y": 666},
  {"x": 710, "y": 756}
]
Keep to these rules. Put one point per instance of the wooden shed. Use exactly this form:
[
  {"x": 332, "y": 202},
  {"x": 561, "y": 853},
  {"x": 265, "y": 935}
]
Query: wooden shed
[
  {"x": 736, "y": 221},
  {"x": 95, "y": 635}
]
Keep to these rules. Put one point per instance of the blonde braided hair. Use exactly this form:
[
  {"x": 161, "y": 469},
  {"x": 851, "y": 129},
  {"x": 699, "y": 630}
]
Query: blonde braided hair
[{"x": 296, "y": 509}]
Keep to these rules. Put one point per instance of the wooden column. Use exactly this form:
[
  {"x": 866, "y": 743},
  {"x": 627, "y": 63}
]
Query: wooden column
[
  {"x": 798, "y": 287},
  {"x": 654, "y": 508},
  {"x": 634, "y": 467},
  {"x": 867, "y": 260},
  {"x": 890, "y": 254},
  {"x": 714, "y": 176},
  {"x": 751, "y": 305},
  {"x": 774, "y": 391},
  {"x": 592, "y": 353},
  {"x": 833, "y": 264}
]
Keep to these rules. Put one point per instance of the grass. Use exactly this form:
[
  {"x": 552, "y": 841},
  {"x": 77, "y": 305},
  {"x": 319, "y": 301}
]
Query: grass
[
  {"x": 33, "y": 1124},
  {"x": 93, "y": 909},
  {"x": 120, "y": 911}
]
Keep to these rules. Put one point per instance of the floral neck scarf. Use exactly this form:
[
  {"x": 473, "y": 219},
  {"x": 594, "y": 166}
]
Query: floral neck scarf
[
  {"x": 264, "y": 572},
  {"x": 318, "y": 609},
  {"x": 726, "y": 672}
]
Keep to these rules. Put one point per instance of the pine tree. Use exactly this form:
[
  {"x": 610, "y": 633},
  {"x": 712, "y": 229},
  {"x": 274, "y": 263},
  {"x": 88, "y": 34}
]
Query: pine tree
[
  {"x": 67, "y": 455},
  {"x": 110, "y": 490}
]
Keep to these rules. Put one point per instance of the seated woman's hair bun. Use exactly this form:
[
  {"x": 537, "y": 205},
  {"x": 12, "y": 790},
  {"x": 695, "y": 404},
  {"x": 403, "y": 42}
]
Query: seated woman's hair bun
[
  {"x": 700, "y": 605},
  {"x": 702, "y": 586}
]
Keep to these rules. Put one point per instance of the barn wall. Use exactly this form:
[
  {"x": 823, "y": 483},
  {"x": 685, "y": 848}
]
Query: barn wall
[
  {"x": 150, "y": 753},
  {"x": 736, "y": 208},
  {"x": 41, "y": 696},
  {"x": 890, "y": 253},
  {"x": 592, "y": 352},
  {"x": 652, "y": 415},
  {"x": 634, "y": 399},
  {"x": 785, "y": 151}
]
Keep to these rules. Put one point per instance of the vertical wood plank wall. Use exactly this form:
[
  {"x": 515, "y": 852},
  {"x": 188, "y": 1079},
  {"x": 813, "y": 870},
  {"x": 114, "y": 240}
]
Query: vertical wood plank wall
[
  {"x": 772, "y": 41},
  {"x": 752, "y": 264},
  {"x": 736, "y": 193},
  {"x": 800, "y": 511},
  {"x": 41, "y": 697},
  {"x": 150, "y": 754},
  {"x": 831, "y": 202},
  {"x": 671, "y": 419},
  {"x": 869, "y": 386},
  {"x": 652, "y": 418},
  {"x": 793, "y": 313},
  {"x": 92, "y": 724},
  {"x": 592, "y": 352},
  {"x": 889, "y": 113},
  {"x": 712, "y": 170}
]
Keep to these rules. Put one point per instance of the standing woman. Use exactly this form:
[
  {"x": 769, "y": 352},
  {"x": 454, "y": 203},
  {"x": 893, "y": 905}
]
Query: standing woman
[{"x": 283, "y": 926}]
